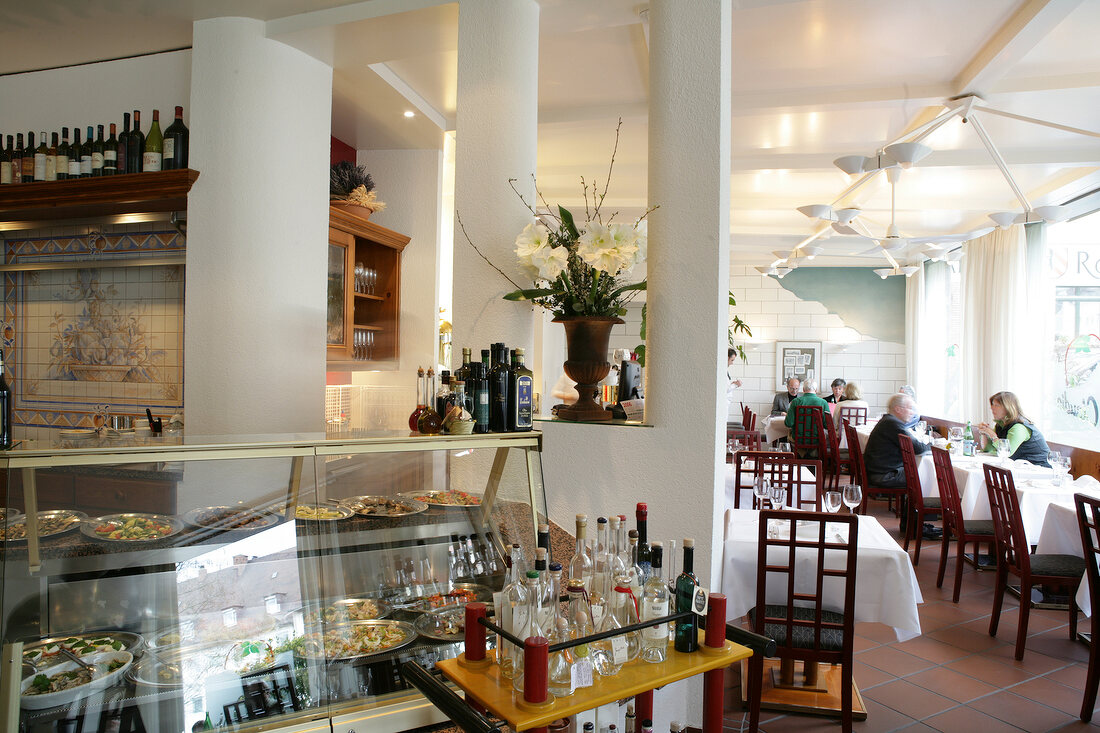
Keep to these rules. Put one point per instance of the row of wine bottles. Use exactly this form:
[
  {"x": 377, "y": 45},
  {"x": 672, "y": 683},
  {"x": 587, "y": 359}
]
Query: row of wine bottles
[
  {"x": 494, "y": 395},
  {"x": 130, "y": 151}
]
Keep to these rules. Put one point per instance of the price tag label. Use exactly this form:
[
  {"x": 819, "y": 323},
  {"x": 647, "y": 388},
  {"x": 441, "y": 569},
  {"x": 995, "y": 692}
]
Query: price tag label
[
  {"x": 597, "y": 616},
  {"x": 634, "y": 409},
  {"x": 618, "y": 650},
  {"x": 582, "y": 673},
  {"x": 700, "y": 601}
]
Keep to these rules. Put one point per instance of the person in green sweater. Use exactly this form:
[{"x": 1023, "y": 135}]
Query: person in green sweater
[
  {"x": 799, "y": 434},
  {"x": 1025, "y": 442}
]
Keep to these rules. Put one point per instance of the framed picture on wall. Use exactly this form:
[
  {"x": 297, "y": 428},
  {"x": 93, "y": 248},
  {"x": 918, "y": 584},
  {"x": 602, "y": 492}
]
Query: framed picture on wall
[{"x": 801, "y": 359}]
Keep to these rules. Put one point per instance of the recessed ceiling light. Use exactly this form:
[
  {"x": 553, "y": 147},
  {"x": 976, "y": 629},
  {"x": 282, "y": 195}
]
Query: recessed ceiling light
[{"x": 410, "y": 113}]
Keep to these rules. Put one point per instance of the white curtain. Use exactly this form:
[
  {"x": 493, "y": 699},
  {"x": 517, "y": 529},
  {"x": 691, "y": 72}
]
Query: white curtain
[
  {"x": 999, "y": 348},
  {"x": 927, "y": 298}
]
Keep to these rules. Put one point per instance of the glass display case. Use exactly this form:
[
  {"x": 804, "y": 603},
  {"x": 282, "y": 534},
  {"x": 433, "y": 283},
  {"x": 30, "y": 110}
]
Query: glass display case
[{"x": 261, "y": 583}]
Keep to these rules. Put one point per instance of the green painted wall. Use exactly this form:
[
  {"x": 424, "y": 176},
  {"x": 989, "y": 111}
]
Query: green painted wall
[{"x": 864, "y": 301}]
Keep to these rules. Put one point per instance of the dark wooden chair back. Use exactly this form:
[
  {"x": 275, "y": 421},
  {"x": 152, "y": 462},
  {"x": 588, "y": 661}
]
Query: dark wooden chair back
[
  {"x": 751, "y": 438},
  {"x": 748, "y": 465},
  {"x": 749, "y": 423},
  {"x": 808, "y": 432},
  {"x": 950, "y": 501},
  {"x": 1088, "y": 519},
  {"x": 912, "y": 480},
  {"x": 855, "y": 415},
  {"x": 1008, "y": 528},
  {"x": 855, "y": 453}
]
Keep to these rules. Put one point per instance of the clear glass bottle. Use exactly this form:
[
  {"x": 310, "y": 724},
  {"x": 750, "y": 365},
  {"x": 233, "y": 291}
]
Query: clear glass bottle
[
  {"x": 626, "y": 613},
  {"x": 655, "y": 605},
  {"x": 600, "y": 592},
  {"x": 561, "y": 663},
  {"x": 477, "y": 564},
  {"x": 421, "y": 404},
  {"x": 634, "y": 573},
  {"x": 579, "y": 616},
  {"x": 609, "y": 655},
  {"x": 580, "y": 566},
  {"x": 429, "y": 422},
  {"x": 550, "y": 593},
  {"x": 531, "y": 628},
  {"x": 514, "y": 617},
  {"x": 616, "y": 568},
  {"x": 457, "y": 420}
]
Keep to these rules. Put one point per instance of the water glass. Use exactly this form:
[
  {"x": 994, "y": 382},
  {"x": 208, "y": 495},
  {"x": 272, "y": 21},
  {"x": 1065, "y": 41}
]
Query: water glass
[
  {"x": 833, "y": 501},
  {"x": 778, "y": 496},
  {"x": 853, "y": 497},
  {"x": 761, "y": 489},
  {"x": 1004, "y": 450},
  {"x": 783, "y": 447}
]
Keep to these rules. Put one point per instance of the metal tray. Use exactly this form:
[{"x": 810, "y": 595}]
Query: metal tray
[
  {"x": 88, "y": 526},
  {"x": 419, "y": 604},
  {"x": 340, "y": 611},
  {"x": 45, "y": 515},
  {"x": 7, "y": 514},
  {"x": 355, "y": 504},
  {"x": 343, "y": 511},
  {"x": 267, "y": 519},
  {"x": 432, "y": 624},
  {"x": 133, "y": 643},
  {"x": 431, "y": 498},
  {"x": 312, "y": 648}
]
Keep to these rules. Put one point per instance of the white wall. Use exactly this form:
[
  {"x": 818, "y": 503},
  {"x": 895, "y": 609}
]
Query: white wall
[
  {"x": 96, "y": 94},
  {"x": 774, "y": 313},
  {"x": 409, "y": 182}
]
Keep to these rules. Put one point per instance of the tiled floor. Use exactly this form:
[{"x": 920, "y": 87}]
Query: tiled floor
[{"x": 954, "y": 678}]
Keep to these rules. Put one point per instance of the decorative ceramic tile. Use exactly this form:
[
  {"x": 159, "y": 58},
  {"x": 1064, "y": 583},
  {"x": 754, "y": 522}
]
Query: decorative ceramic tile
[{"x": 84, "y": 338}]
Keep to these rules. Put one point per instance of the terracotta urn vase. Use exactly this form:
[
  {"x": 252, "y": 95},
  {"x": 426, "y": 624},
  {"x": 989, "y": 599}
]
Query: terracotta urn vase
[
  {"x": 586, "y": 364},
  {"x": 352, "y": 208}
]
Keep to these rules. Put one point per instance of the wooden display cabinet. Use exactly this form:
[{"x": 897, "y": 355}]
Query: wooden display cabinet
[{"x": 362, "y": 328}]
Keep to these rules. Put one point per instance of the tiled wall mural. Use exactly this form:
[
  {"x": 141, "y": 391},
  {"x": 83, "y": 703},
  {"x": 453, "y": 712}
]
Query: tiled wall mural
[{"x": 96, "y": 336}]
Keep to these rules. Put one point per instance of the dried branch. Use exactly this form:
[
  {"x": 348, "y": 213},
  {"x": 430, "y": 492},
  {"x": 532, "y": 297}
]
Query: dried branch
[
  {"x": 610, "y": 167},
  {"x": 480, "y": 253},
  {"x": 584, "y": 188},
  {"x": 512, "y": 183}
]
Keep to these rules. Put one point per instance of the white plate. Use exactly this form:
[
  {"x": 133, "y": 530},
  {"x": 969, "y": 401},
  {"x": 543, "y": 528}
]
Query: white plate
[{"x": 64, "y": 697}]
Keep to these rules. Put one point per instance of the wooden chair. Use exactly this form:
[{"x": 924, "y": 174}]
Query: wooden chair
[
  {"x": 859, "y": 472},
  {"x": 1088, "y": 518},
  {"x": 920, "y": 506},
  {"x": 808, "y": 433},
  {"x": 805, "y": 626},
  {"x": 748, "y": 465},
  {"x": 855, "y": 415},
  {"x": 965, "y": 531},
  {"x": 749, "y": 421},
  {"x": 747, "y": 437},
  {"x": 840, "y": 458},
  {"x": 1013, "y": 556},
  {"x": 805, "y": 478}
]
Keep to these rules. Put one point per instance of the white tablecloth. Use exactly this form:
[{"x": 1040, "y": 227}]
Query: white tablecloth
[
  {"x": 746, "y": 486},
  {"x": 775, "y": 428},
  {"x": 1062, "y": 536},
  {"x": 886, "y": 586}
]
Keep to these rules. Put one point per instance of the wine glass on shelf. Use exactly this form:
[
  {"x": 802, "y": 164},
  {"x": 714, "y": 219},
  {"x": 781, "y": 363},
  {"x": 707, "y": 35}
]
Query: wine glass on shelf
[
  {"x": 761, "y": 489},
  {"x": 1004, "y": 449},
  {"x": 853, "y": 497},
  {"x": 833, "y": 501}
]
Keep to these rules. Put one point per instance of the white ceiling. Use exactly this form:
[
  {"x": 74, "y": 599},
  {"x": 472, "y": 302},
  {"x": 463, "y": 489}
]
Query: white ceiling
[{"x": 812, "y": 80}]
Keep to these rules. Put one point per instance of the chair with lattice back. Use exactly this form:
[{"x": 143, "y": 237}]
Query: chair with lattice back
[
  {"x": 920, "y": 506},
  {"x": 1088, "y": 518},
  {"x": 965, "y": 531},
  {"x": 751, "y": 465},
  {"x": 807, "y": 559},
  {"x": 1061, "y": 572},
  {"x": 855, "y": 415},
  {"x": 808, "y": 433},
  {"x": 859, "y": 472}
]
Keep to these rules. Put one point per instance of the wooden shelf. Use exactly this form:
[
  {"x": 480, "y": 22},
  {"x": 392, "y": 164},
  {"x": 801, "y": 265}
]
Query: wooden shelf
[
  {"x": 369, "y": 296},
  {"x": 97, "y": 197},
  {"x": 360, "y": 327}
]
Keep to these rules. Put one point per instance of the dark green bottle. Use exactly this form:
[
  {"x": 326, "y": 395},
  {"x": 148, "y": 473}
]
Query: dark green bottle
[
  {"x": 521, "y": 390},
  {"x": 687, "y": 632},
  {"x": 479, "y": 388},
  {"x": 499, "y": 377}
]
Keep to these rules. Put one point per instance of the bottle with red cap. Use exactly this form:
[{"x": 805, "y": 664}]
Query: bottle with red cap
[{"x": 645, "y": 559}]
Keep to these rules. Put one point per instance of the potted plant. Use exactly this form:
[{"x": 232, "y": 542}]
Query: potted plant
[{"x": 351, "y": 187}]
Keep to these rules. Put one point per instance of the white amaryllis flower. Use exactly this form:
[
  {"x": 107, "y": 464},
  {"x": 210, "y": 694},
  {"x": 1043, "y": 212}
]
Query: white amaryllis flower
[
  {"x": 641, "y": 240},
  {"x": 606, "y": 249},
  {"x": 529, "y": 248},
  {"x": 552, "y": 262}
]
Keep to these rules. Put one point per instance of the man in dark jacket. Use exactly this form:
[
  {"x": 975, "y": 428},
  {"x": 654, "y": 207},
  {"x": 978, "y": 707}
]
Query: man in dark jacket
[{"x": 883, "y": 452}]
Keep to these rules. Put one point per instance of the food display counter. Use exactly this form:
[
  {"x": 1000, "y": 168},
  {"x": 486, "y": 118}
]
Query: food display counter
[{"x": 281, "y": 586}]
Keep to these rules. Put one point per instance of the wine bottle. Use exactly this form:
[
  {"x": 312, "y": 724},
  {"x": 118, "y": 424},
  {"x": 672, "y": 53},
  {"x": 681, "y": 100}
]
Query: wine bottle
[
  {"x": 5, "y": 161},
  {"x": 498, "y": 390},
  {"x": 443, "y": 392},
  {"x": 6, "y": 440},
  {"x": 154, "y": 146},
  {"x": 687, "y": 631},
  {"x": 97, "y": 153},
  {"x": 40, "y": 158},
  {"x": 462, "y": 374},
  {"x": 51, "y": 158},
  {"x": 521, "y": 394},
  {"x": 485, "y": 362},
  {"x": 479, "y": 389},
  {"x": 429, "y": 422},
  {"x": 135, "y": 146},
  {"x": 110, "y": 154},
  {"x": 641, "y": 515},
  {"x": 86, "y": 154},
  {"x": 543, "y": 539},
  {"x": 75, "y": 152},
  {"x": 175, "y": 144},
  {"x": 63, "y": 155},
  {"x": 17, "y": 159},
  {"x": 580, "y": 567},
  {"x": 123, "y": 145},
  {"x": 28, "y": 159},
  {"x": 655, "y": 605}
]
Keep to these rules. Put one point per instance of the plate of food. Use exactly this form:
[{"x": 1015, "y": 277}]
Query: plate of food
[
  {"x": 449, "y": 499},
  {"x": 322, "y": 512},
  {"x": 231, "y": 518},
  {"x": 47, "y": 651},
  {"x": 383, "y": 506},
  {"x": 459, "y": 594},
  {"x": 69, "y": 681},
  {"x": 443, "y": 624},
  {"x": 131, "y": 527},
  {"x": 50, "y": 524},
  {"x": 345, "y": 642},
  {"x": 345, "y": 611},
  {"x": 7, "y": 514}
]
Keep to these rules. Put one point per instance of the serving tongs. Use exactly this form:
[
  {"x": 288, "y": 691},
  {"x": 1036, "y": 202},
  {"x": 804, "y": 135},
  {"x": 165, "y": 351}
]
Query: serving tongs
[{"x": 73, "y": 658}]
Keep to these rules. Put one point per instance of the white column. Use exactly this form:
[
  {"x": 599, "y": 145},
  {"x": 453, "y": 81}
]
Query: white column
[
  {"x": 496, "y": 139},
  {"x": 257, "y": 232}
]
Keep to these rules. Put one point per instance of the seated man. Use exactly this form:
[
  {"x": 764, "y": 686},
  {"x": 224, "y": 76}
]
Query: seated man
[
  {"x": 808, "y": 398},
  {"x": 883, "y": 452},
  {"x": 782, "y": 400}
]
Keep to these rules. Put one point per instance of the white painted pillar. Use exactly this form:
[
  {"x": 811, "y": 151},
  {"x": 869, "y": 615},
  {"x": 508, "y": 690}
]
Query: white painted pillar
[
  {"x": 257, "y": 232},
  {"x": 496, "y": 139}
]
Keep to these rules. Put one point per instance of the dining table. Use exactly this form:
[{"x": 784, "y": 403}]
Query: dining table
[
  {"x": 805, "y": 479},
  {"x": 775, "y": 427},
  {"x": 886, "y": 586},
  {"x": 1061, "y": 535}
]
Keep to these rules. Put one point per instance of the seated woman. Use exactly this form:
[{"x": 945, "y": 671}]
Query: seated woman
[
  {"x": 1024, "y": 439},
  {"x": 853, "y": 397},
  {"x": 837, "y": 391}
]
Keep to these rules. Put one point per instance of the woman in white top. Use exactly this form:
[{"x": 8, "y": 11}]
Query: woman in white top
[{"x": 853, "y": 397}]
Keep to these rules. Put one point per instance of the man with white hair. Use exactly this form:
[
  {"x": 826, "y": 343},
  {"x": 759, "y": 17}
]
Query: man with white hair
[
  {"x": 808, "y": 398},
  {"x": 882, "y": 456}
]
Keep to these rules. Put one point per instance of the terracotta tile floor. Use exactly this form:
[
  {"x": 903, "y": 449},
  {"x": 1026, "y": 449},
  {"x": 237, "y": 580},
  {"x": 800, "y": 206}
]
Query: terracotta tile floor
[{"x": 955, "y": 677}]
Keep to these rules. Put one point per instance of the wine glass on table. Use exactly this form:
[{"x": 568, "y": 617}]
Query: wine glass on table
[
  {"x": 853, "y": 497},
  {"x": 1064, "y": 465},
  {"x": 761, "y": 489},
  {"x": 1004, "y": 449},
  {"x": 783, "y": 446},
  {"x": 955, "y": 435},
  {"x": 779, "y": 496},
  {"x": 833, "y": 501}
]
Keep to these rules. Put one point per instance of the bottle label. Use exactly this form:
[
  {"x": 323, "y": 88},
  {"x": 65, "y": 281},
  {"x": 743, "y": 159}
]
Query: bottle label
[
  {"x": 74, "y": 168},
  {"x": 5, "y": 172},
  {"x": 28, "y": 167},
  {"x": 111, "y": 155},
  {"x": 656, "y": 609},
  {"x": 150, "y": 162},
  {"x": 618, "y": 650},
  {"x": 597, "y": 616},
  {"x": 582, "y": 673},
  {"x": 524, "y": 390},
  {"x": 51, "y": 167},
  {"x": 85, "y": 165},
  {"x": 39, "y": 166},
  {"x": 169, "y": 147},
  {"x": 97, "y": 160}
]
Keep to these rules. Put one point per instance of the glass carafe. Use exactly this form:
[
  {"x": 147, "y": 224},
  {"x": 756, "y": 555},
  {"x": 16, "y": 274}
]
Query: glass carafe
[
  {"x": 514, "y": 616},
  {"x": 532, "y": 628},
  {"x": 609, "y": 655},
  {"x": 579, "y": 616}
]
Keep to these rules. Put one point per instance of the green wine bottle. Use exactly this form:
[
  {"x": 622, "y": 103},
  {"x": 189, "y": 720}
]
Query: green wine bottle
[
  {"x": 687, "y": 632},
  {"x": 153, "y": 156}
]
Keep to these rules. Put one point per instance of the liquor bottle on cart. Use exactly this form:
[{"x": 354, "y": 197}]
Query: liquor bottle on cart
[
  {"x": 655, "y": 603},
  {"x": 687, "y": 631}
]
